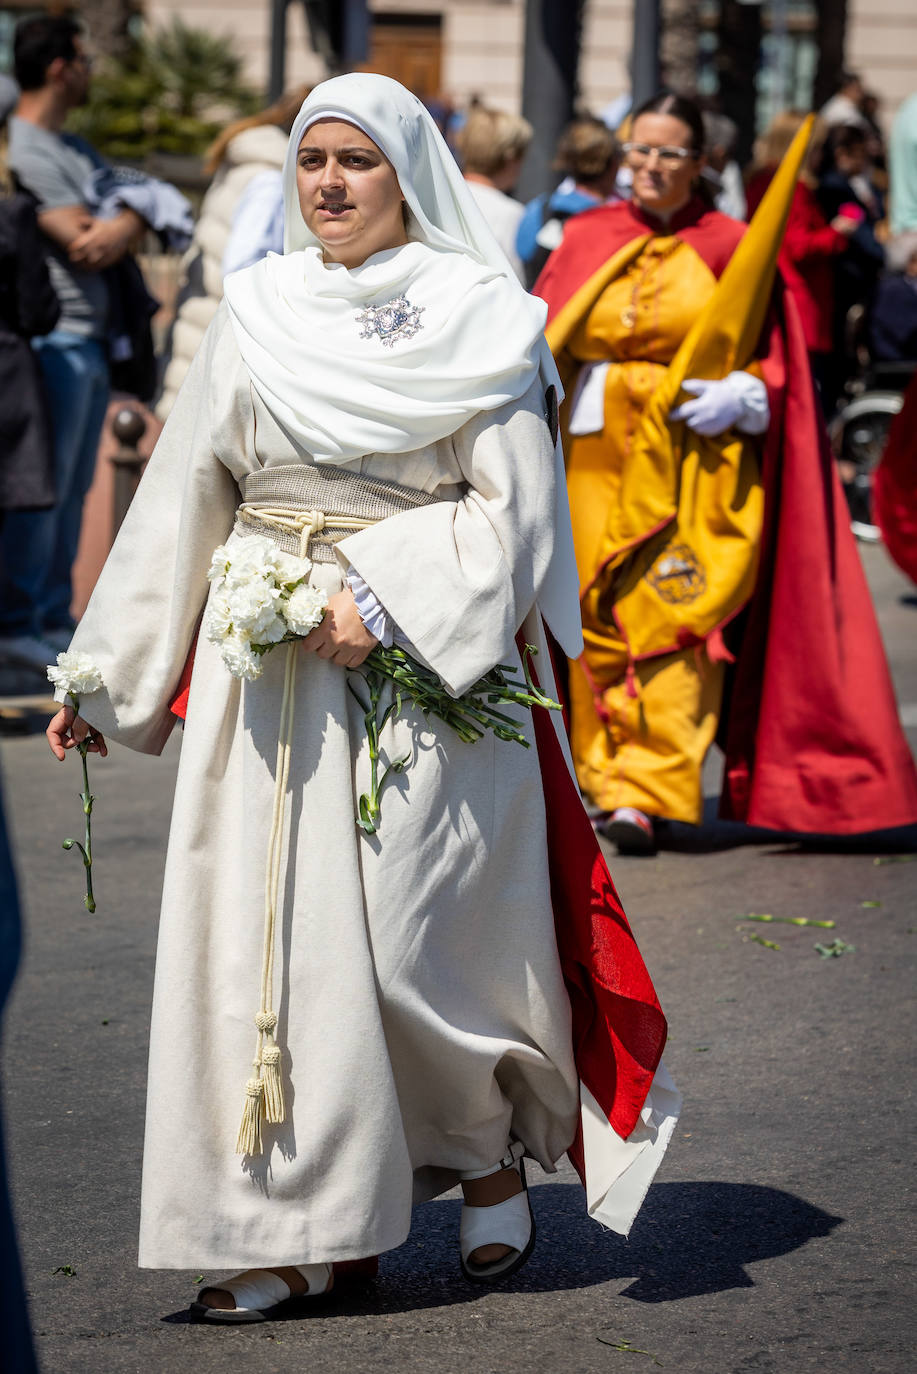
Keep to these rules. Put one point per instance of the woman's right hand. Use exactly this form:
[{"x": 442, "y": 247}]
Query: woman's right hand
[{"x": 67, "y": 730}]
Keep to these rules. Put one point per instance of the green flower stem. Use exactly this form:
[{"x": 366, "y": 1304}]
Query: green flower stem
[
  {"x": 469, "y": 715},
  {"x": 87, "y": 799},
  {"x": 788, "y": 920},
  {"x": 370, "y": 805}
]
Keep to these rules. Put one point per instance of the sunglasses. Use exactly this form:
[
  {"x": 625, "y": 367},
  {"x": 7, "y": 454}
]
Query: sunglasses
[{"x": 669, "y": 156}]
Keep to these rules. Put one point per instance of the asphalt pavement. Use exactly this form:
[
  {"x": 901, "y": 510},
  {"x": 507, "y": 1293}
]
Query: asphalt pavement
[{"x": 780, "y": 1233}]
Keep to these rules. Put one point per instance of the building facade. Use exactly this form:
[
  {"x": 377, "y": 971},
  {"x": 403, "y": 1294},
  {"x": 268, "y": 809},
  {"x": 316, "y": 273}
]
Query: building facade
[{"x": 462, "y": 48}]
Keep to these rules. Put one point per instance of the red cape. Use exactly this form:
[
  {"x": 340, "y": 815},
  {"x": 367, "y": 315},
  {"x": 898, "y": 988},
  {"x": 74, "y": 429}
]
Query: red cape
[
  {"x": 894, "y": 495},
  {"x": 812, "y": 737}
]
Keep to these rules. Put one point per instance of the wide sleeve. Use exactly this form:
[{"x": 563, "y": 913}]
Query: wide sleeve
[
  {"x": 459, "y": 578},
  {"x": 143, "y": 614}
]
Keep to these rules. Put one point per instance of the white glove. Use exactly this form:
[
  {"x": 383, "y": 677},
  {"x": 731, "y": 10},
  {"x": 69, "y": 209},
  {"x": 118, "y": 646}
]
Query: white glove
[
  {"x": 738, "y": 401},
  {"x": 373, "y": 614}
]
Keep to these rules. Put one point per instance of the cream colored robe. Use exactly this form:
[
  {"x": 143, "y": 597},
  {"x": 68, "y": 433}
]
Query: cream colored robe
[{"x": 422, "y": 1011}]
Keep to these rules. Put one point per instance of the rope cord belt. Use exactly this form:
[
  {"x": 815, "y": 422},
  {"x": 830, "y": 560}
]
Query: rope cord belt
[{"x": 284, "y": 504}]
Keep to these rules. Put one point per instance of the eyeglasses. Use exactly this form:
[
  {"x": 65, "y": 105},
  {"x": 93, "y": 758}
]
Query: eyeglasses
[{"x": 669, "y": 156}]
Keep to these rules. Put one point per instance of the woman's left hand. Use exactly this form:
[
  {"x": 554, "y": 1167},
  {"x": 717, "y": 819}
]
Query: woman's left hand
[{"x": 341, "y": 637}]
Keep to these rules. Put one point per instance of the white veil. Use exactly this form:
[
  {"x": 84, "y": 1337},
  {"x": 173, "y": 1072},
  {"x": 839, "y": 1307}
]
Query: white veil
[
  {"x": 445, "y": 213},
  {"x": 480, "y": 343}
]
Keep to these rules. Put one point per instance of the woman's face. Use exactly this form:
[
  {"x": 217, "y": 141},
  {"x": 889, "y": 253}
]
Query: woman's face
[
  {"x": 663, "y": 181},
  {"x": 348, "y": 193}
]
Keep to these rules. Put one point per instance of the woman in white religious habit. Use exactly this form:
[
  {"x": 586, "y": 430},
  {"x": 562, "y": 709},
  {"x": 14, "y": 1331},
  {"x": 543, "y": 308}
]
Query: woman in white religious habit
[{"x": 377, "y": 400}]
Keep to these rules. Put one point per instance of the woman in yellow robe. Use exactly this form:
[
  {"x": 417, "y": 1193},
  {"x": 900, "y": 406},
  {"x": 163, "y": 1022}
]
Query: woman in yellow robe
[{"x": 645, "y": 697}]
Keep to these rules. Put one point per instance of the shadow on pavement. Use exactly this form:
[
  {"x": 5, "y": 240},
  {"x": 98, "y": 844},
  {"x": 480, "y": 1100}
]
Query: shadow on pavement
[
  {"x": 690, "y": 1239},
  {"x": 713, "y": 835}
]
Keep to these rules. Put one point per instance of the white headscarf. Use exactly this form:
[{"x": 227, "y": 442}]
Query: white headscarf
[{"x": 480, "y": 340}]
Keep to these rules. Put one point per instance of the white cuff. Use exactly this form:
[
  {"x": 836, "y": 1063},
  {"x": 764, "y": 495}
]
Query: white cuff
[
  {"x": 587, "y": 410},
  {"x": 373, "y": 614}
]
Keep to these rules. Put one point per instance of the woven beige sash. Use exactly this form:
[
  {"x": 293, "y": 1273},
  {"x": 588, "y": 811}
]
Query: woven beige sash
[{"x": 281, "y": 503}]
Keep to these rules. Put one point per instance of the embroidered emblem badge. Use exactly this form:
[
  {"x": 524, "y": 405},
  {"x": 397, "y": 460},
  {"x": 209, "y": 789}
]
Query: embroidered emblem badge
[
  {"x": 397, "y": 319},
  {"x": 677, "y": 576}
]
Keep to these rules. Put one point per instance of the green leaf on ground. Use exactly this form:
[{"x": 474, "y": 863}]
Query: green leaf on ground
[
  {"x": 627, "y": 1348},
  {"x": 67, "y": 1270},
  {"x": 867, "y": 905},
  {"x": 895, "y": 859},
  {"x": 835, "y": 949},
  {"x": 198, "y": 1279}
]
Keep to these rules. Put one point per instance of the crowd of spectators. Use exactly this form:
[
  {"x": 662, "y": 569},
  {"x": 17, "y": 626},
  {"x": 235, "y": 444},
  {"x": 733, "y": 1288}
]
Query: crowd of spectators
[{"x": 70, "y": 228}]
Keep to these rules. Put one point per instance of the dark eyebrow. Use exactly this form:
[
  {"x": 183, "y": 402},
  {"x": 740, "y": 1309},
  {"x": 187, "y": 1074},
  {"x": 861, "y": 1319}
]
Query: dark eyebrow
[{"x": 310, "y": 148}]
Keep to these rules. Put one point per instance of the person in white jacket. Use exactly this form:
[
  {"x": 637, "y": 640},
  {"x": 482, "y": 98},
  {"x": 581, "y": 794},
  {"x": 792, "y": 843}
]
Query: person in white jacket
[{"x": 241, "y": 220}]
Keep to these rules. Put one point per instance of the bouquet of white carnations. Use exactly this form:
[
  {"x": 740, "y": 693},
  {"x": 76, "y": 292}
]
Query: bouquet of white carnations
[
  {"x": 76, "y": 674},
  {"x": 261, "y": 598}
]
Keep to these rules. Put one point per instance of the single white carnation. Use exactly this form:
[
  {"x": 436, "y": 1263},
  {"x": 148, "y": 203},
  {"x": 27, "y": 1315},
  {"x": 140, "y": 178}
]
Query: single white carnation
[
  {"x": 219, "y": 617},
  {"x": 236, "y": 652},
  {"x": 304, "y": 608},
  {"x": 252, "y": 559},
  {"x": 75, "y": 673},
  {"x": 254, "y": 608},
  {"x": 273, "y": 632},
  {"x": 219, "y": 562},
  {"x": 289, "y": 569}
]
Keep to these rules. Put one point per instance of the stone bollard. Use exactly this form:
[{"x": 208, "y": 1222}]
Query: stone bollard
[{"x": 129, "y": 427}]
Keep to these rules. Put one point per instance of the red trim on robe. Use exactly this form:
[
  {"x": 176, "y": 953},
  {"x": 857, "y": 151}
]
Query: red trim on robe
[{"x": 619, "y": 1029}]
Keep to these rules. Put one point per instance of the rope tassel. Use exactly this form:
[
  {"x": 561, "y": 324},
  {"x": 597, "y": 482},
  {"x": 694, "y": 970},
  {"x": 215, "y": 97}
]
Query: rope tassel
[
  {"x": 264, "y": 1092},
  {"x": 249, "y": 1138},
  {"x": 274, "y": 1109}
]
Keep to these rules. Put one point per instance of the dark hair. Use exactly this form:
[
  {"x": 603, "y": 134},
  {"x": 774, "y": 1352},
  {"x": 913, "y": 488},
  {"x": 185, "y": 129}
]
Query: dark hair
[
  {"x": 679, "y": 107},
  {"x": 39, "y": 42},
  {"x": 845, "y": 137}
]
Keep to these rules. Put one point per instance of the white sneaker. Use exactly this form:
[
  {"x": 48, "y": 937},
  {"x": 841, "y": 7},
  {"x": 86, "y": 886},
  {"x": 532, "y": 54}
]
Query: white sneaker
[
  {"x": 867, "y": 534},
  {"x": 27, "y": 651}
]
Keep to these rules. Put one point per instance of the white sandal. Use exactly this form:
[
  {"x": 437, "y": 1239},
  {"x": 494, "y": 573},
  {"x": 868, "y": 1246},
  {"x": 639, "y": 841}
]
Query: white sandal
[
  {"x": 258, "y": 1293},
  {"x": 505, "y": 1223}
]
